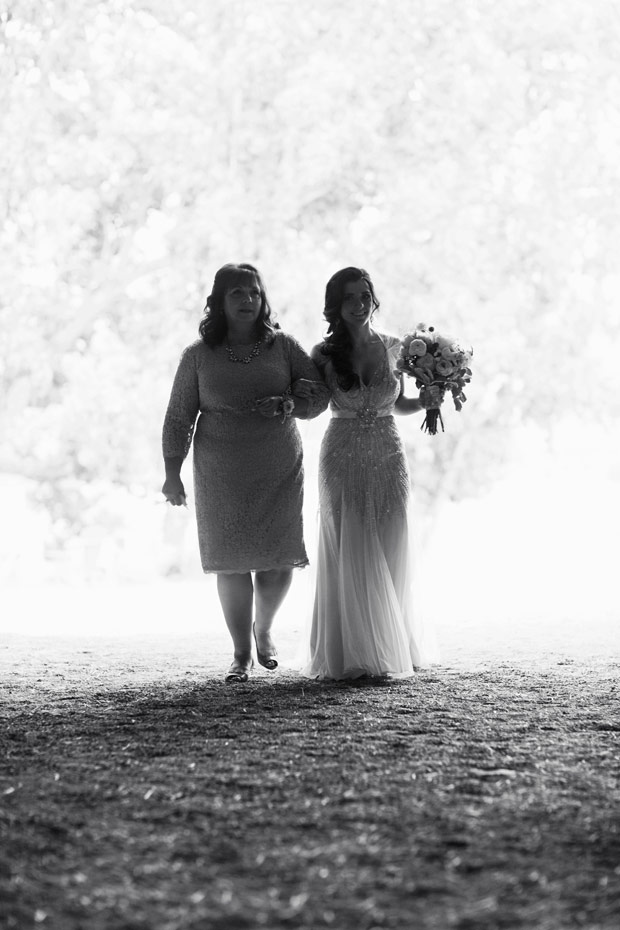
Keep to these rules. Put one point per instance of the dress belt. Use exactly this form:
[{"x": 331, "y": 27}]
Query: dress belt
[{"x": 352, "y": 414}]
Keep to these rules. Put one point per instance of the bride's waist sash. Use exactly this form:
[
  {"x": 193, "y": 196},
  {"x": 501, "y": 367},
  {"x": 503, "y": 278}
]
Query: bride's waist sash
[{"x": 359, "y": 414}]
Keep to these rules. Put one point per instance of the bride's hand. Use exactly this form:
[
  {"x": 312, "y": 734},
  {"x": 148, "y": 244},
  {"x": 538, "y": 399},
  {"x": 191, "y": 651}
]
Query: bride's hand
[{"x": 431, "y": 397}]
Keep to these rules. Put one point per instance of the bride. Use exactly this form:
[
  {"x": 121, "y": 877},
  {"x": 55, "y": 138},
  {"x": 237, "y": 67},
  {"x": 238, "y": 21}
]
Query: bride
[{"x": 362, "y": 623}]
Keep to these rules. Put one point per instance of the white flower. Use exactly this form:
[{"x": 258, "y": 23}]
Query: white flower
[
  {"x": 417, "y": 347},
  {"x": 444, "y": 367}
]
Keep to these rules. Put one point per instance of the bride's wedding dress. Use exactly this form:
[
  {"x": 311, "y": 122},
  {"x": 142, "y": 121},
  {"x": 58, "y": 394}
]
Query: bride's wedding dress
[{"x": 362, "y": 621}]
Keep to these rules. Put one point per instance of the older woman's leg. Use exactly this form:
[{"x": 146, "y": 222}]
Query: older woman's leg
[
  {"x": 236, "y": 593},
  {"x": 270, "y": 589}
]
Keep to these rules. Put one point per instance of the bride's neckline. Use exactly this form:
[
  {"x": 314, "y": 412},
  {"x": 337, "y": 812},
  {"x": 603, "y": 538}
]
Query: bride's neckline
[{"x": 375, "y": 338}]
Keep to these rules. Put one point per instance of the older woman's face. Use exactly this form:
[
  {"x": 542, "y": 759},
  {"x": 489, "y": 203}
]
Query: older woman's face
[
  {"x": 242, "y": 303},
  {"x": 357, "y": 305}
]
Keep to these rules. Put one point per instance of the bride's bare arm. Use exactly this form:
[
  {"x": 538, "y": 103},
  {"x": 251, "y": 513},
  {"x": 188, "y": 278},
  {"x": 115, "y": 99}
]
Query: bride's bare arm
[{"x": 429, "y": 397}]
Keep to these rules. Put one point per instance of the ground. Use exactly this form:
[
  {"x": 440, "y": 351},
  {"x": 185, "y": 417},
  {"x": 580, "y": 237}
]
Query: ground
[{"x": 140, "y": 792}]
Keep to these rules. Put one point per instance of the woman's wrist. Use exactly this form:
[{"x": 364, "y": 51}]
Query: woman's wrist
[
  {"x": 173, "y": 464},
  {"x": 287, "y": 406},
  {"x": 406, "y": 405}
]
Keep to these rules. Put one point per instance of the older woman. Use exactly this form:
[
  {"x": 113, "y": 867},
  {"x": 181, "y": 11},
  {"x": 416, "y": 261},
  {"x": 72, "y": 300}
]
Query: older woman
[{"x": 245, "y": 380}]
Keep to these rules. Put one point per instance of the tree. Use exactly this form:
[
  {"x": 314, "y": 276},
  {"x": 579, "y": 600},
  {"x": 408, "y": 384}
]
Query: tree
[{"x": 466, "y": 154}]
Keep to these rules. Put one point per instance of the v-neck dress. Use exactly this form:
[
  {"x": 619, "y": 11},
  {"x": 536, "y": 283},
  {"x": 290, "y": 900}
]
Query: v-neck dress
[
  {"x": 363, "y": 621},
  {"x": 248, "y": 469}
]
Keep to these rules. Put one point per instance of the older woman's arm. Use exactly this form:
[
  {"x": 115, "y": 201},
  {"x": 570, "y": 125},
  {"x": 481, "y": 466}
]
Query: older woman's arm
[
  {"x": 308, "y": 388},
  {"x": 178, "y": 428},
  {"x": 307, "y": 396}
]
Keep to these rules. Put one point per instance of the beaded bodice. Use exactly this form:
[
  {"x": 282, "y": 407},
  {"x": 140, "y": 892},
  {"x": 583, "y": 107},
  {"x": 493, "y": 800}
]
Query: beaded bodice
[
  {"x": 373, "y": 399},
  {"x": 363, "y": 468}
]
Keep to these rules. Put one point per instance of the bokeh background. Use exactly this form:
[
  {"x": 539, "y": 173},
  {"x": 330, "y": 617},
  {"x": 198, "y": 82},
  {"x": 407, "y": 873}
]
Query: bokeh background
[{"x": 465, "y": 152}]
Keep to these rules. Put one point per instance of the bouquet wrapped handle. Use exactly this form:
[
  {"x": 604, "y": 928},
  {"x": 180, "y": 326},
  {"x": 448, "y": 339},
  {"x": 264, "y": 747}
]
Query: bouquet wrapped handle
[{"x": 431, "y": 398}]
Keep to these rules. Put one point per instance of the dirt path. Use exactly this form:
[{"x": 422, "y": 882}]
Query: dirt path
[{"x": 139, "y": 792}]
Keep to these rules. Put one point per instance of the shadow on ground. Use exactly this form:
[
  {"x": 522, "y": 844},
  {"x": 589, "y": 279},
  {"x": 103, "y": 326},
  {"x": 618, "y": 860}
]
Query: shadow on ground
[{"x": 456, "y": 799}]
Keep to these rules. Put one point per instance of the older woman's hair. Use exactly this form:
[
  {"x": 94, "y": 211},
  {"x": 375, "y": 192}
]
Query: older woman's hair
[
  {"x": 213, "y": 326},
  {"x": 338, "y": 344}
]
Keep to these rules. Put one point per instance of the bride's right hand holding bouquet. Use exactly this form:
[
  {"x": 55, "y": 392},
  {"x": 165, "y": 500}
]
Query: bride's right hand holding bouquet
[{"x": 438, "y": 363}]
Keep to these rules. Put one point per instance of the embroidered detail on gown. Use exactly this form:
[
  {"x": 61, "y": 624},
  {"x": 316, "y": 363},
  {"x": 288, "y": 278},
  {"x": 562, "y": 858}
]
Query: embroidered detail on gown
[{"x": 362, "y": 621}]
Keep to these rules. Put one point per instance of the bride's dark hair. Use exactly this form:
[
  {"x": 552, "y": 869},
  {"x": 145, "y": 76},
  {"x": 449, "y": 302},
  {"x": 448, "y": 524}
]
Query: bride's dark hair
[
  {"x": 337, "y": 344},
  {"x": 213, "y": 326}
]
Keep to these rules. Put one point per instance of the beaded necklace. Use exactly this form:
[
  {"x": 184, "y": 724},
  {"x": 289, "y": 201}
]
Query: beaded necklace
[{"x": 246, "y": 359}]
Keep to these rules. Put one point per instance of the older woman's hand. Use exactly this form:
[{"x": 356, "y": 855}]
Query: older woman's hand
[
  {"x": 269, "y": 406},
  {"x": 174, "y": 492}
]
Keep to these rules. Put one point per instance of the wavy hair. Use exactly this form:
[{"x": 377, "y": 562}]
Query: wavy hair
[
  {"x": 338, "y": 344},
  {"x": 213, "y": 327}
]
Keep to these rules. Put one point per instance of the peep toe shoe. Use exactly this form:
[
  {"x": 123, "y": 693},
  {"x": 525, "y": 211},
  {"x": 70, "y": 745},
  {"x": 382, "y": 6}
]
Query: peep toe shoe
[
  {"x": 267, "y": 660},
  {"x": 239, "y": 672}
]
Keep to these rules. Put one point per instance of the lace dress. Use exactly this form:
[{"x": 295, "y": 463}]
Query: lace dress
[
  {"x": 362, "y": 621},
  {"x": 248, "y": 471}
]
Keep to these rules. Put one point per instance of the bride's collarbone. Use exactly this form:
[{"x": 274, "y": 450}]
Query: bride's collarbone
[{"x": 367, "y": 360}]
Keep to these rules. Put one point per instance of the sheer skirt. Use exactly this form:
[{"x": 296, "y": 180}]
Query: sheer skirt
[{"x": 363, "y": 621}]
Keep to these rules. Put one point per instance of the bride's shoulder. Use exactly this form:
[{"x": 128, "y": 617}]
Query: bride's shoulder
[{"x": 390, "y": 341}]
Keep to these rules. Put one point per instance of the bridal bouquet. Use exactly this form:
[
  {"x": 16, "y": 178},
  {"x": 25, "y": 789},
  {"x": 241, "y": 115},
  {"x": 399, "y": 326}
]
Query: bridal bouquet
[{"x": 437, "y": 360}]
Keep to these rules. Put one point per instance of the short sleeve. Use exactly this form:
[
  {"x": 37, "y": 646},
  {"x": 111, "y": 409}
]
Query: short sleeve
[{"x": 392, "y": 343}]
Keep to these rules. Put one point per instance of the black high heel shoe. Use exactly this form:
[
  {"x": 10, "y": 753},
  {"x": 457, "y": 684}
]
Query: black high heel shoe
[
  {"x": 239, "y": 671},
  {"x": 267, "y": 661}
]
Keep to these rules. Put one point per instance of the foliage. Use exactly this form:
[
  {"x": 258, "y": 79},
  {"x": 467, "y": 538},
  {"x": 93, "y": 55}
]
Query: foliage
[{"x": 466, "y": 154}]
